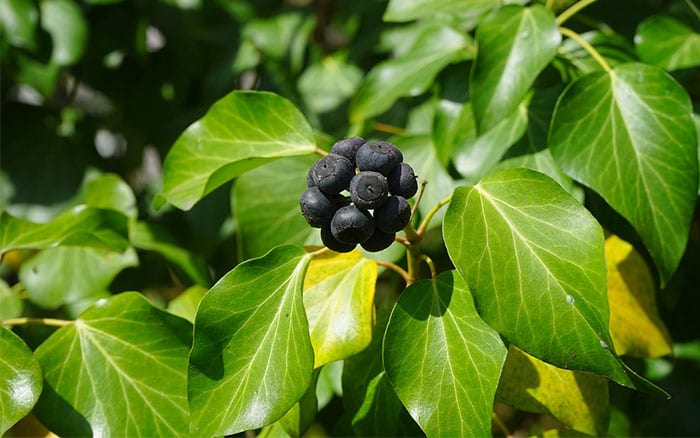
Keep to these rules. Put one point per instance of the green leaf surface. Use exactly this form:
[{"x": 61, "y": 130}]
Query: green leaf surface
[
  {"x": 298, "y": 419},
  {"x": 10, "y": 302},
  {"x": 185, "y": 305},
  {"x": 64, "y": 275},
  {"x": 533, "y": 258},
  {"x": 252, "y": 358},
  {"x": 109, "y": 191},
  {"x": 542, "y": 162},
  {"x": 64, "y": 21},
  {"x": 339, "y": 303},
  {"x": 265, "y": 204},
  {"x": 628, "y": 134},
  {"x": 119, "y": 369},
  {"x": 410, "y": 74},
  {"x": 406, "y": 10},
  {"x": 19, "y": 19},
  {"x": 241, "y": 131},
  {"x": 574, "y": 61},
  {"x": 668, "y": 43},
  {"x": 442, "y": 360},
  {"x": 328, "y": 83},
  {"x": 79, "y": 226},
  {"x": 20, "y": 380},
  {"x": 507, "y": 63}
]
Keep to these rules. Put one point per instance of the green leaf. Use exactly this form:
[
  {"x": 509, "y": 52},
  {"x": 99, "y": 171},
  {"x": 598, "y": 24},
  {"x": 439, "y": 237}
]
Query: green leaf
[
  {"x": 406, "y": 10},
  {"x": 328, "y": 83},
  {"x": 20, "y": 380},
  {"x": 507, "y": 63},
  {"x": 241, "y": 131},
  {"x": 266, "y": 208},
  {"x": 119, "y": 369},
  {"x": 252, "y": 358},
  {"x": 628, "y": 134},
  {"x": 109, "y": 191},
  {"x": 68, "y": 274},
  {"x": 10, "y": 302},
  {"x": 298, "y": 419},
  {"x": 339, "y": 303},
  {"x": 574, "y": 61},
  {"x": 533, "y": 258},
  {"x": 79, "y": 226},
  {"x": 19, "y": 19},
  {"x": 542, "y": 162},
  {"x": 65, "y": 22},
  {"x": 185, "y": 305},
  {"x": 442, "y": 360},
  {"x": 411, "y": 74},
  {"x": 668, "y": 43}
]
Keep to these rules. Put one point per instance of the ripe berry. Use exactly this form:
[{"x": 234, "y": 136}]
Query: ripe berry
[
  {"x": 352, "y": 225},
  {"x": 402, "y": 181},
  {"x": 348, "y": 147},
  {"x": 332, "y": 243},
  {"x": 378, "y": 241},
  {"x": 332, "y": 173},
  {"x": 379, "y": 156},
  {"x": 394, "y": 215},
  {"x": 317, "y": 208},
  {"x": 369, "y": 189}
]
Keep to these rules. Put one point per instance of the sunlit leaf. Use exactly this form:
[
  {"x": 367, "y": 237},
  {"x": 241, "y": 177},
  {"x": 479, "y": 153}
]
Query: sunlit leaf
[
  {"x": 109, "y": 191},
  {"x": 64, "y": 21},
  {"x": 10, "y": 301},
  {"x": 668, "y": 43},
  {"x": 542, "y": 162},
  {"x": 298, "y": 419},
  {"x": 185, "y": 305},
  {"x": 406, "y": 10}
]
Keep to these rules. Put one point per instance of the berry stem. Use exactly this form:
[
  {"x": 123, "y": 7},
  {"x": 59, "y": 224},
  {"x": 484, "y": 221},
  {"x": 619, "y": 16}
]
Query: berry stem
[
  {"x": 421, "y": 189},
  {"x": 389, "y": 129},
  {"x": 320, "y": 152},
  {"x": 428, "y": 261},
  {"x": 398, "y": 269},
  {"x": 575, "y": 8},
  {"x": 319, "y": 252},
  {"x": 587, "y": 47},
  {"x": 433, "y": 211},
  {"x": 43, "y": 321}
]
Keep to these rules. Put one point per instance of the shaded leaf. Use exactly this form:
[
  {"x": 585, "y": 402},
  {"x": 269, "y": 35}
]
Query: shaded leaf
[
  {"x": 328, "y": 83},
  {"x": 119, "y": 369},
  {"x": 20, "y": 380},
  {"x": 406, "y": 10},
  {"x": 628, "y": 134},
  {"x": 442, "y": 360},
  {"x": 64, "y": 21},
  {"x": 241, "y": 131},
  {"x": 19, "y": 19},
  {"x": 298, "y": 419},
  {"x": 252, "y": 358},
  {"x": 574, "y": 61},
  {"x": 668, "y": 43}
]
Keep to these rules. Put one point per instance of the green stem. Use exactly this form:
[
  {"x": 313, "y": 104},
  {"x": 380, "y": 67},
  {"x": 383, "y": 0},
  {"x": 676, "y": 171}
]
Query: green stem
[
  {"x": 693, "y": 8},
  {"x": 501, "y": 425},
  {"x": 428, "y": 261},
  {"x": 319, "y": 252},
  {"x": 389, "y": 129},
  {"x": 576, "y": 7},
  {"x": 42, "y": 321},
  {"x": 433, "y": 211},
  {"x": 587, "y": 47},
  {"x": 398, "y": 269},
  {"x": 320, "y": 152},
  {"x": 549, "y": 4},
  {"x": 421, "y": 189}
]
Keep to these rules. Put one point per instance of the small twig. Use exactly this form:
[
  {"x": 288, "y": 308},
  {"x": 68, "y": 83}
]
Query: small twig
[
  {"x": 576, "y": 7},
  {"x": 549, "y": 4},
  {"x": 501, "y": 425},
  {"x": 421, "y": 189},
  {"x": 42, "y": 321},
  {"x": 398, "y": 269},
  {"x": 389, "y": 129},
  {"x": 693, "y": 8},
  {"x": 320, "y": 152},
  {"x": 319, "y": 252},
  {"x": 587, "y": 47},
  {"x": 428, "y": 261},
  {"x": 433, "y": 211}
]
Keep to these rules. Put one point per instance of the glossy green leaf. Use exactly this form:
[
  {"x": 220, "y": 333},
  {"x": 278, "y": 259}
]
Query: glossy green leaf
[
  {"x": 406, "y": 10},
  {"x": 328, "y": 83},
  {"x": 64, "y": 21},
  {"x": 298, "y": 419},
  {"x": 542, "y": 162},
  {"x": 410, "y": 74},
  {"x": 10, "y": 301},
  {"x": 19, "y": 19},
  {"x": 265, "y": 204},
  {"x": 20, "y": 379},
  {"x": 339, "y": 303},
  {"x": 668, "y": 43},
  {"x": 574, "y": 61},
  {"x": 628, "y": 134},
  {"x": 507, "y": 63},
  {"x": 119, "y": 369},
  {"x": 252, "y": 358},
  {"x": 241, "y": 131},
  {"x": 533, "y": 258},
  {"x": 79, "y": 226},
  {"x": 442, "y": 360},
  {"x": 185, "y": 305},
  {"x": 68, "y": 274}
]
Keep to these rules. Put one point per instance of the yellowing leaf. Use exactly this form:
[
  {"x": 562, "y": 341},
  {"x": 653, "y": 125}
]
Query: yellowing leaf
[
  {"x": 339, "y": 297},
  {"x": 635, "y": 325},
  {"x": 577, "y": 399}
]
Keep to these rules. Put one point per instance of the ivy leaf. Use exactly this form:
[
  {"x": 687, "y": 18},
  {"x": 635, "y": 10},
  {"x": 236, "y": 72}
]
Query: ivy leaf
[
  {"x": 628, "y": 134},
  {"x": 668, "y": 43},
  {"x": 109, "y": 191},
  {"x": 252, "y": 358},
  {"x": 407, "y": 10},
  {"x": 119, "y": 369},
  {"x": 19, "y": 19},
  {"x": 11, "y": 304},
  {"x": 298, "y": 419},
  {"x": 68, "y": 28},
  {"x": 574, "y": 61},
  {"x": 635, "y": 325},
  {"x": 507, "y": 63},
  {"x": 577, "y": 399},
  {"x": 442, "y": 360},
  {"x": 533, "y": 258},
  {"x": 411, "y": 74},
  {"x": 241, "y": 131},
  {"x": 542, "y": 162},
  {"x": 20, "y": 380},
  {"x": 328, "y": 83},
  {"x": 339, "y": 302}
]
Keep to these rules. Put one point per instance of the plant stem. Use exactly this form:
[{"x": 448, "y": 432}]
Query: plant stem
[
  {"x": 587, "y": 47},
  {"x": 319, "y": 252},
  {"x": 389, "y": 129},
  {"x": 549, "y": 4},
  {"x": 320, "y": 152},
  {"x": 424, "y": 226},
  {"x": 693, "y": 8},
  {"x": 43, "y": 321},
  {"x": 576, "y": 7},
  {"x": 501, "y": 425},
  {"x": 421, "y": 189},
  {"x": 398, "y": 269},
  {"x": 428, "y": 261}
]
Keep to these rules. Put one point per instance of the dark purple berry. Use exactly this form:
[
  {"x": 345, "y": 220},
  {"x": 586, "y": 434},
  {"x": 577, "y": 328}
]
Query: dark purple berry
[
  {"x": 332, "y": 173},
  {"x": 402, "y": 181},
  {"x": 378, "y": 156},
  {"x": 394, "y": 215},
  {"x": 369, "y": 189},
  {"x": 334, "y": 244},
  {"x": 348, "y": 147},
  {"x": 352, "y": 225},
  {"x": 380, "y": 240},
  {"x": 317, "y": 208}
]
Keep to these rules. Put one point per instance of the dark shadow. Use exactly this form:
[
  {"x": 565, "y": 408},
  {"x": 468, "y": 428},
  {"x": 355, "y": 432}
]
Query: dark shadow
[{"x": 59, "y": 416}]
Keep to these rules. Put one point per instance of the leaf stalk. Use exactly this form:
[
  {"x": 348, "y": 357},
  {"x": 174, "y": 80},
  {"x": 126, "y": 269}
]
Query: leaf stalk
[
  {"x": 587, "y": 47},
  {"x": 41, "y": 321}
]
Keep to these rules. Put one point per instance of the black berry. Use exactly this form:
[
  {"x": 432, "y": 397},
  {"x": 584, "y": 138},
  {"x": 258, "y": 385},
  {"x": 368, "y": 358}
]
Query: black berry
[
  {"x": 316, "y": 207},
  {"x": 332, "y": 243},
  {"x": 378, "y": 156},
  {"x": 332, "y": 173},
  {"x": 394, "y": 215},
  {"x": 352, "y": 225},
  {"x": 348, "y": 147},
  {"x": 369, "y": 189},
  {"x": 378, "y": 241},
  {"x": 402, "y": 181}
]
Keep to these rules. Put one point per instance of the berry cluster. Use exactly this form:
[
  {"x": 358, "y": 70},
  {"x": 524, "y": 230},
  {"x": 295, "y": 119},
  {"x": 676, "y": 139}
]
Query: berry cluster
[{"x": 376, "y": 178}]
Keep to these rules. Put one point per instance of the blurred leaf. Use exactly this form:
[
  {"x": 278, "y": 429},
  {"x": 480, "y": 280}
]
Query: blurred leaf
[
  {"x": 273, "y": 36},
  {"x": 328, "y": 83},
  {"x": 120, "y": 369},
  {"x": 185, "y": 305},
  {"x": 406, "y": 10},
  {"x": 20, "y": 380},
  {"x": 577, "y": 399},
  {"x": 668, "y": 43},
  {"x": 614, "y": 48},
  {"x": 442, "y": 360},
  {"x": 265, "y": 204},
  {"x": 628, "y": 134},
  {"x": 19, "y": 19},
  {"x": 507, "y": 63},
  {"x": 252, "y": 358},
  {"x": 339, "y": 303},
  {"x": 79, "y": 226},
  {"x": 451, "y": 123},
  {"x": 109, "y": 191},
  {"x": 10, "y": 302},
  {"x": 410, "y": 74},
  {"x": 67, "y": 274},
  {"x": 39, "y": 76},
  {"x": 64, "y": 21},
  {"x": 635, "y": 325},
  {"x": 535, "y": 263},
  {"x": 241, "y": 131}
]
